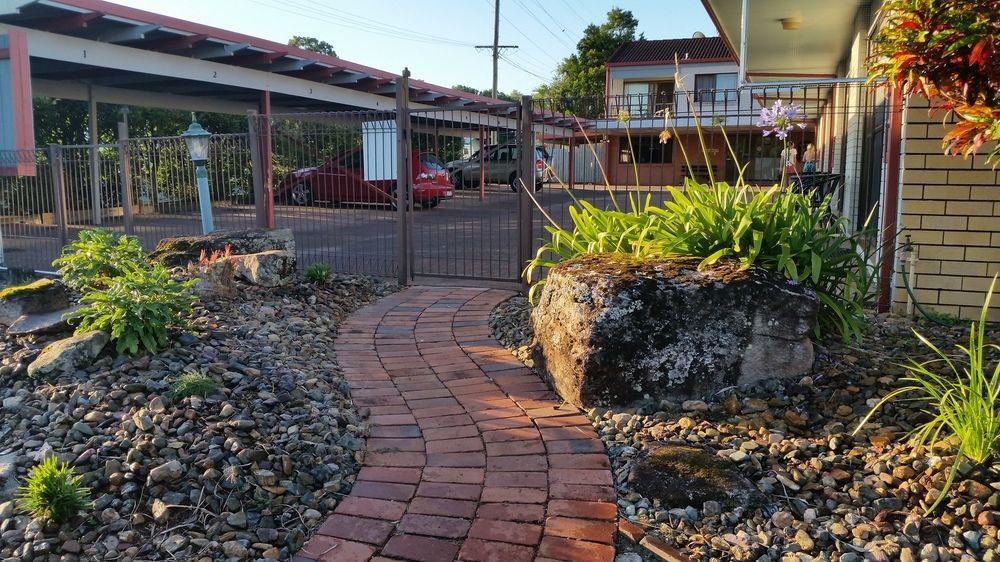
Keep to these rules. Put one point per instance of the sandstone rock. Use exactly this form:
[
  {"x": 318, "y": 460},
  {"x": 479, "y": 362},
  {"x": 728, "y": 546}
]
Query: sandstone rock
[
  {"x": 167, "y": 472},
  {"x": 267, "y": 269},
  {"x": 611, "y": 330},
  {"x": 215, "y": 279},
  {"x": 65, "y": 356},
  {"x": 44, "y": 295},
  {"x": 680, "y": 476},
  {"x": 181, "y": 250},
  {"x": 42, "y": 322}
]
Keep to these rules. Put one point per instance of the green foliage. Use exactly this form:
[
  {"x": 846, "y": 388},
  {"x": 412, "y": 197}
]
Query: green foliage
[
  {"x": 776, "y": 229},
  {"x": 581, "y": 75},
  {"x": 318, "y": 273},
  {"x": 98, "y": 255},
  {"x": 513, "y": 96},
  {"x": 312, "y": 44},
  {"x": 137, "y": 308},
  {"x": 53, "y": 492},
  {"x": 193, "y": 384},
  {"x": 962, "y": 397},
  {"x": 946, "y": 50}
]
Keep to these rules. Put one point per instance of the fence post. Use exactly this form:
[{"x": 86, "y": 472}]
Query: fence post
[
  {"x": 257, "y": 167},
  {"x": 125, "y": 165},
  {"x": 59, "y": 191},
  {"x": 526, "y": 173},
  {"x": 404, "y": 179}
]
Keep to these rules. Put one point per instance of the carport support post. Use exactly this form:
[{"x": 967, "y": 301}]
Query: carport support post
[
  {"x": 265, "y": 157},
  {"x": 95, "y": 159},
  {"x": 571, "y": 164},
  {"x": 404, "y": 176},
  {"x": 125, "y": 169},
  {"x": 257, "y": 169},
  {"x": 526, "y": 173},
  {"x": 59, "y": 192}
]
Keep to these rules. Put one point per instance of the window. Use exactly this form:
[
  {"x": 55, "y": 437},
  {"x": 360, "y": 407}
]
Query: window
[
  {"x": 644, "y": 99},
  {"x": 648, "y": 150},
  {"x": 707, "y": 84}
]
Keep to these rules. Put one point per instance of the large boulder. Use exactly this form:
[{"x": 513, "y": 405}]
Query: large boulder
[
  {"x": 267, "y": 269},
  {"x": 67, "y": 355},
  {"x": 44, "y": 295},
  {"x": 610, "y": 330},
  {"x": 181, "y": 250},
  {"x": 42, "y": 322}
]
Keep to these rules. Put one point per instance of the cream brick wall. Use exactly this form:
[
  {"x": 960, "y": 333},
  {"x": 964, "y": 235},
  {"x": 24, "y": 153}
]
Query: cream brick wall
[{"x": 950, "y": 207}]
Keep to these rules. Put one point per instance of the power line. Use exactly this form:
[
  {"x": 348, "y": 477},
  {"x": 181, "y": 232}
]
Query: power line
[
  {"x": 527, "y": 37},
  {"x": 496, "y": 46},
  {"x": 572, "y": 10},
  {"x": 545, "y": 27},
  {"x": 554, "y": 20},
  {"x": 522, "y": 69},
  {"x": 360, "y": 23}
]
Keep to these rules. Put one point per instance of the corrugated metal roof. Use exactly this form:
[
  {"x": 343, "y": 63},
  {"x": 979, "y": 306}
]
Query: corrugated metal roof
[{"x": 665, "y": 50}]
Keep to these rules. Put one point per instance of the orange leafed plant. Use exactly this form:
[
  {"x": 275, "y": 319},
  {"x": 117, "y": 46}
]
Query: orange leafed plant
[{"x": 949, "y": 52}]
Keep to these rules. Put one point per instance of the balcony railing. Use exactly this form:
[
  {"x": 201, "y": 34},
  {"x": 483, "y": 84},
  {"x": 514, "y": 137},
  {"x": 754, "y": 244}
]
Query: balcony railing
[{"x": 680, "y": 104}]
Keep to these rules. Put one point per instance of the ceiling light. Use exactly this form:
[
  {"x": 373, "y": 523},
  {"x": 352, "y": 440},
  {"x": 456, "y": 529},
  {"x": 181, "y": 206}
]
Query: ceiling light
[{"x": 791, "y": 24}]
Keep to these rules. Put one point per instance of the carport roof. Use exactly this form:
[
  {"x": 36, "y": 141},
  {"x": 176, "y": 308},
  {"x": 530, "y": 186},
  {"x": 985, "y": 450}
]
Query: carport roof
[{"x": 113, "y": 24}]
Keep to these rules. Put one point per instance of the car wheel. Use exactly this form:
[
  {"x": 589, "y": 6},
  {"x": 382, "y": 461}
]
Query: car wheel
[
  {"x": 430, "y": 204},
  {"x": 301, "y": 194},
  {"x": 514, "y": 184},
  {"x": 393, "y": 204}
]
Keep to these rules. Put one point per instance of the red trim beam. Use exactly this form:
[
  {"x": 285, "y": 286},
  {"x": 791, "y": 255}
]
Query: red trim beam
[{"x": 17, "y": 133}]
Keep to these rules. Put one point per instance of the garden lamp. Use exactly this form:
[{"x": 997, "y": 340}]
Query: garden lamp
[{"x": 197, "y": 140}]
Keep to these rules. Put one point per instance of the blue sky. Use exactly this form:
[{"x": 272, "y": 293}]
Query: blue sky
[{"x": 436, "y": 38}]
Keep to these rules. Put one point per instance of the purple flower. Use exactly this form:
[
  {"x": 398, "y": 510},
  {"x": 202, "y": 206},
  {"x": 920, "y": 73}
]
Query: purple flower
[{"x": 780, "y": 119}]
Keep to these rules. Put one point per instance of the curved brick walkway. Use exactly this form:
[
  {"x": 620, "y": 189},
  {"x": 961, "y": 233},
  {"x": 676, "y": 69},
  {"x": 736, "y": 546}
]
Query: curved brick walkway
[{"x": 470, "y": 456}]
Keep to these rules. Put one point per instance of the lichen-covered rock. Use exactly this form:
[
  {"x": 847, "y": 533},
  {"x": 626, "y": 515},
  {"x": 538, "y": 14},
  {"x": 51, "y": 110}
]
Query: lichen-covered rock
[
  {"x": 44, "y": 295},
  {"x": 67, "y": 355},
  {"x": 680, "y": 476},
  {"x": 610, "y": 330},
  {"x": 181, "y": 250},
  {"x": 217, "y": 279},
  {"x": 267, "y": 269}
]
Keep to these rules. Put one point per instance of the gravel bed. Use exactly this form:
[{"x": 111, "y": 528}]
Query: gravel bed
[
  {"x": 831, "y": 495},
  {"x": 246, "y": 473}
]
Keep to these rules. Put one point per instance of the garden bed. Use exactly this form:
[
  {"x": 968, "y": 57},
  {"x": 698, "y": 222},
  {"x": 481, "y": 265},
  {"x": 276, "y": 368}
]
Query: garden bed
[
  {"x": 829, "y": 495},
  {"x": 246, "y": 472}
]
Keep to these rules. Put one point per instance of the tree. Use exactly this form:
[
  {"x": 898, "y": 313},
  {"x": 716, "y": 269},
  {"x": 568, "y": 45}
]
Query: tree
[
  {"x": 312, "y": 44},
  {"x": 581, "y": 75}
]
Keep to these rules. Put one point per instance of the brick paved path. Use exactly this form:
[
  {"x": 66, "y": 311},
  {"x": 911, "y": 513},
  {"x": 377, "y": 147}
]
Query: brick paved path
[{"x": 470, "y": 456}]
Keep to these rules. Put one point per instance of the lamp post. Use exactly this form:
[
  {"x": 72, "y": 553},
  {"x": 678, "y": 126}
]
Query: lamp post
[{"x": 197, "y": 139}]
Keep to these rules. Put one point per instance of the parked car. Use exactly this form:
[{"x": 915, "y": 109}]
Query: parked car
[
  {"x": 500, "y": 165},
  {"x": 341, "y": 179}
]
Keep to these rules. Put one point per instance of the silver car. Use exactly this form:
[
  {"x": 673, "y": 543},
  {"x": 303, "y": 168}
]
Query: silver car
[{"x": 500, "y": 165}]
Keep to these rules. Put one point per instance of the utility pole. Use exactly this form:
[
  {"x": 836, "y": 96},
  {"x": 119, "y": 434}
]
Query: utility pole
[{"x": 496, "y": 46}]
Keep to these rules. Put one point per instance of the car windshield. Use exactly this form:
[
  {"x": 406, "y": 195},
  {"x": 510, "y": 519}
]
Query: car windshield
[{"x": 432, "y": 162}]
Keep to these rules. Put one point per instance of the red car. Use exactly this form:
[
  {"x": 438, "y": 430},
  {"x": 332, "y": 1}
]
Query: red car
[{"x": 341, "y": 180}]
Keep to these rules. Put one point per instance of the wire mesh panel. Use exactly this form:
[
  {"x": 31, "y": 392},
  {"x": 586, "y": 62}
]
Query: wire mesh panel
[
  {"x": 466, "y": 178},
  {"x": 165, "y": 191},
  {"x": 626, "y": 149},
  {"x": 333, "y": 180},
  {"x": 29, "y": 230},
  {"x": 91, "y": 180}
]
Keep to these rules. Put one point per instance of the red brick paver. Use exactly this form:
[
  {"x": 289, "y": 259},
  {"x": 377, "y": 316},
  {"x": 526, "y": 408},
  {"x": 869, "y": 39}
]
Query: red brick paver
[{"x": 470, "y": 456}]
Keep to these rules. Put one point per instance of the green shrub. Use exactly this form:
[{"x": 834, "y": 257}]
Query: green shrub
[
  {"x": 318, "y": 273},
  {"x": 137, "y": 309},
  {"x": 98, "y": 255},
  {"x": 54, "y": 492},
  {"x": 776, "y": 229},
  {"x": 962, "y": 397},
  {"x": 193, "y": 384}
]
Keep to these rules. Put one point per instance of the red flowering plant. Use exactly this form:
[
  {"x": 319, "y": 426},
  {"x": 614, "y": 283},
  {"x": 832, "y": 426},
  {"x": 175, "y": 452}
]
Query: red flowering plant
[{"x": 949, "y": 52}]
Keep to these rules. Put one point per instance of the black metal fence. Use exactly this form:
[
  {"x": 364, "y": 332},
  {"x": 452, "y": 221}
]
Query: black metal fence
[{"x": 339, "y": 180}]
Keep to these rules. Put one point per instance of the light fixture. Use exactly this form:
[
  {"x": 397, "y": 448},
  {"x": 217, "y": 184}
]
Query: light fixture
[
  {"x": 791, "y": 24},
  {"x": 196, "y": 138}
]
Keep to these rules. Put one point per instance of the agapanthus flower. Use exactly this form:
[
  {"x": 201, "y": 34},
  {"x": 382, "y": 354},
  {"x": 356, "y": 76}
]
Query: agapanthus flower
[{"x": 780, "y": 119}]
